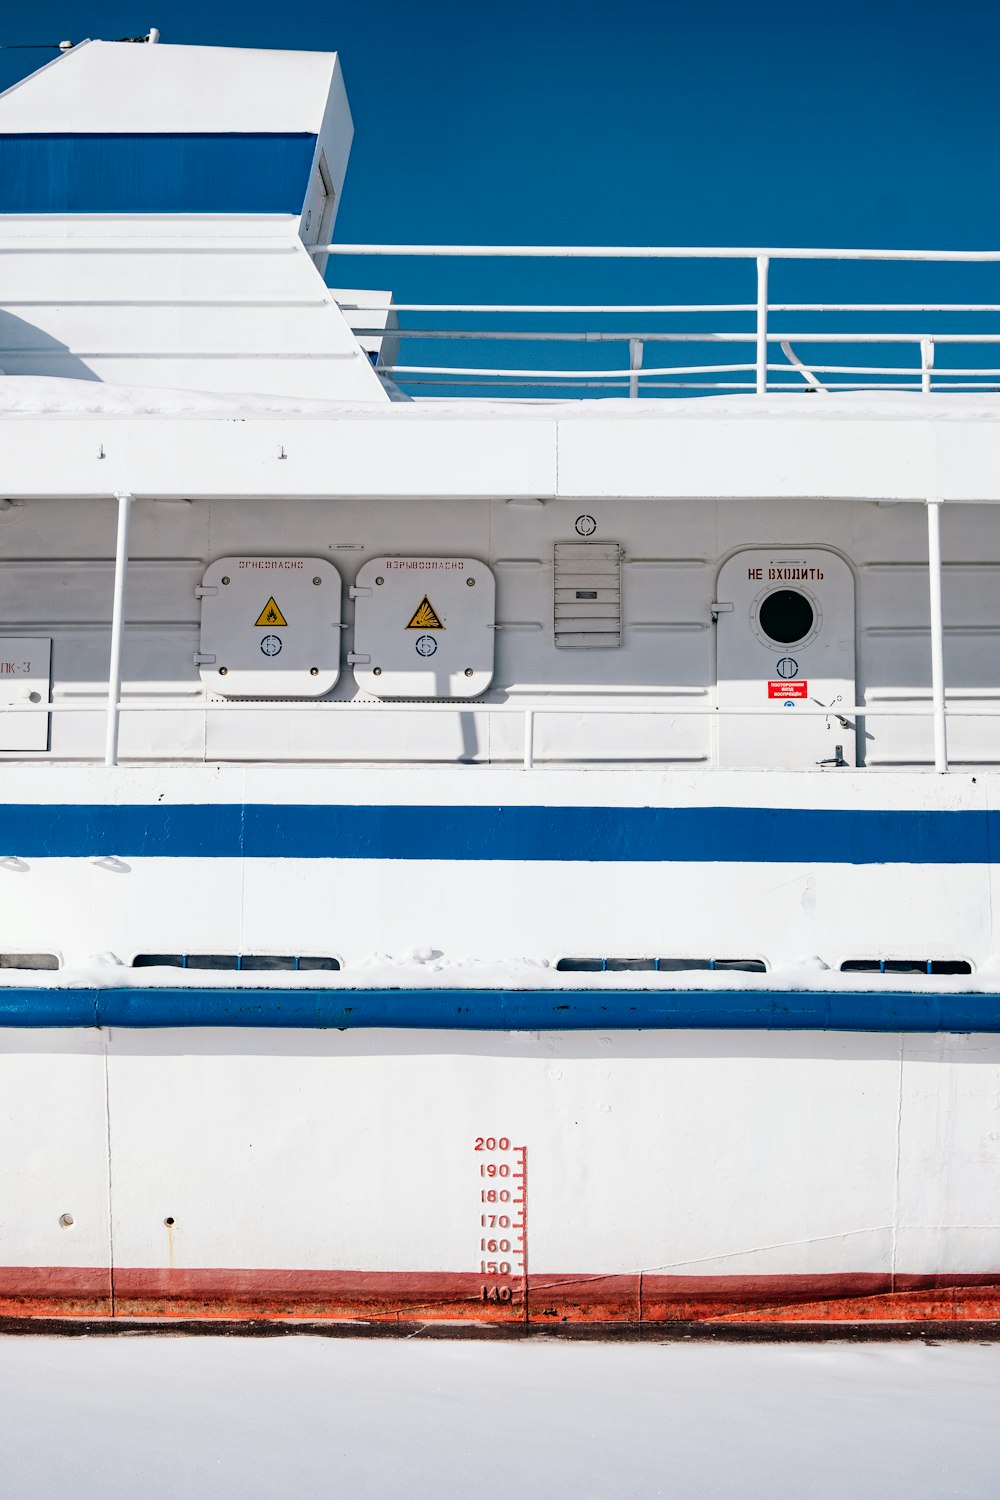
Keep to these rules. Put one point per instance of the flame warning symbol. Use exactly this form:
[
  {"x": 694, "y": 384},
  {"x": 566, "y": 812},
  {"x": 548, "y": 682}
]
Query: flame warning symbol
[
  {"x": 425, "y": 617},
  {"x": 270, "y": 615}
]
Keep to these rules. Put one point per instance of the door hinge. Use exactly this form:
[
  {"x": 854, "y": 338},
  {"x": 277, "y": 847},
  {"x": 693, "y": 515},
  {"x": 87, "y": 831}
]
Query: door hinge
[
  {"x": 357, "y": 659},
  {"x": 204, "y": 659}
]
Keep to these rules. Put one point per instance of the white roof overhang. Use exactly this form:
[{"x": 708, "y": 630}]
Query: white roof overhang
[
  {"x": 116, "y": 87},
  {"x": 945, "y": 448}
]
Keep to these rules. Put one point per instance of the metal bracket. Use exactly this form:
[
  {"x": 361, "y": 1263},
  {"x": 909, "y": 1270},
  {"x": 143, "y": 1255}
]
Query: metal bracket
[{"x": 835, "y": 760}]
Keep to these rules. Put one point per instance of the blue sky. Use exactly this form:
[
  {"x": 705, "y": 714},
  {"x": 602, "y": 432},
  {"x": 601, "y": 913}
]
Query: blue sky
[
  {"x": 868, "y": 122},
  {"x": 664, "y": 121}
]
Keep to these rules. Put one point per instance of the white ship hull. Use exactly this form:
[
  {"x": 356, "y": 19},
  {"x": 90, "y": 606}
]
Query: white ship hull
[
  {"x": 671, "y": 1176},
  {"x": 802, "y": 1143}
]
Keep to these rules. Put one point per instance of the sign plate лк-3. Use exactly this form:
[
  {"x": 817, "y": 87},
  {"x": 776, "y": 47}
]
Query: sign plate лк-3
[{"x": 24, "y": 679}]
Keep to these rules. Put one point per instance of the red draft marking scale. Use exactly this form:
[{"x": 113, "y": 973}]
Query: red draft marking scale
[
  {"x": 778, "y": 689},
  {"x": 503, "y": 1223}
]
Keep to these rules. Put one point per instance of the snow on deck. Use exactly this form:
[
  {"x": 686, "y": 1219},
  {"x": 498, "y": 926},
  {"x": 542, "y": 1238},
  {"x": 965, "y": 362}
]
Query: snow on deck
[
  {"x": 39, "y": 395},
  {"x": 112, "y": 1418}
]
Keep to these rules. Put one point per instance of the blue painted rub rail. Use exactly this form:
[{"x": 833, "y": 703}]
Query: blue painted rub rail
[
  {"x": 751, "y": 835},
  {"x": 503, "y": 1010}
]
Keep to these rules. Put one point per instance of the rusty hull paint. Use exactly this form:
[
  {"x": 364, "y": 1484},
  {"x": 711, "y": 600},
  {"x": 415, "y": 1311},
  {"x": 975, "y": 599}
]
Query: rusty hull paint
[
  {"x": 389, "y": 1297},
  {"x": 56, "y": 1291}
]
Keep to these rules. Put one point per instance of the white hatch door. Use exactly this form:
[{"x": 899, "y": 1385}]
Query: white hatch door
[{"x": 786, "y": 644}]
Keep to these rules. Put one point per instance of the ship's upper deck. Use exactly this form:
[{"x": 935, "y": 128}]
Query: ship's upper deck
[
  {"x": 158, "y": 206},
  {"x": 165, "y": 221}
]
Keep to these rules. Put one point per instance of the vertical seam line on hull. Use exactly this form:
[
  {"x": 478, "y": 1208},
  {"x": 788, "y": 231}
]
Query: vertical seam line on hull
[
  {"x": 897, "y": 1164},
  {"x": 107, "y": 1134}
]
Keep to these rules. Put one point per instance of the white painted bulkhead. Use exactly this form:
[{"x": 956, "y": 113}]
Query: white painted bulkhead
[{"x": 56, "y": 576}]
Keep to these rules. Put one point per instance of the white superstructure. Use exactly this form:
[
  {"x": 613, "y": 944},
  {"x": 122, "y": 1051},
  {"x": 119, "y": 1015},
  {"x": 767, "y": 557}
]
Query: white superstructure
[
  {"x": 474, "y": 858},
  {"x": 169, "y": 197}
]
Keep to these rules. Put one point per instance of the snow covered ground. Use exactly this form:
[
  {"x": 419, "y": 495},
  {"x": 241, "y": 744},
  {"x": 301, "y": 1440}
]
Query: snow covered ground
[{"x": 196, "y": 1417}]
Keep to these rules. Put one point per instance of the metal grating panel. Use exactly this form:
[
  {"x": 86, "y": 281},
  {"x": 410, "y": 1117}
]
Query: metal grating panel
[{"x": 588, "y": 594}]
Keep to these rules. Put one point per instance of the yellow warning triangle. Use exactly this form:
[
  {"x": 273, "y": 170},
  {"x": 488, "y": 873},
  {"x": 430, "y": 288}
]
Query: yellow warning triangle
[
  {"x": 425, "y": 617},
  {"x": 270, "y": 615}
]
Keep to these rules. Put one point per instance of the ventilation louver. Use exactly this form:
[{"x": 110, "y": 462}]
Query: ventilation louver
[{"x": 588, "y": 595}]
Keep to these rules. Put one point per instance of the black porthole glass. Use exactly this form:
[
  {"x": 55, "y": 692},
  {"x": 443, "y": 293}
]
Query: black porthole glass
[{"x": 786, "y": 616}]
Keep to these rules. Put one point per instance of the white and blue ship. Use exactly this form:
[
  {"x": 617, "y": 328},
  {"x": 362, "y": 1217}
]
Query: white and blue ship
[{"x": 492, "y": 855}]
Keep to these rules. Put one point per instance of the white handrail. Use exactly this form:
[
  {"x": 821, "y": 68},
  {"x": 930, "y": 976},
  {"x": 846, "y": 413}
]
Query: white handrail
[
  {"x": 760, "y": 336},
  {"x": 919, "y": 708},
  {"x": 937, "y": 634},
  {"x": 710, "y": 336},
  {"x": 651, "y": 252},
  {"x": 117, "y": 630},
  {"x": 646, "y": 307},
  {"x": 642, "y": 379}
]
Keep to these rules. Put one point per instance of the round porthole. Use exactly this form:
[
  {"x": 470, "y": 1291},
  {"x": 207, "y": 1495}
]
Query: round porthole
[{"x": 785, "y": 617}]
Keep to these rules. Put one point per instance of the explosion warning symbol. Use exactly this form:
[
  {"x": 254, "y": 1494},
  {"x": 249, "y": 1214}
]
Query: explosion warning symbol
[
  {"x": 425, "y": 617},
  {"x": 270, "y": 615}
]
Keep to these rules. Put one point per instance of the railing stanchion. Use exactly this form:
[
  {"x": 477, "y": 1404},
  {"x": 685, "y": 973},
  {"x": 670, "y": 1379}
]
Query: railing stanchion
[
  {"x": 117, "y": 631},
  {"x": 926, "y": 365},
  {"x": 529, "y": 738},
  {"x": 937, "y": 634},
  {"x": 635, "y": 365},
  {"x": 763, "y": 266}
]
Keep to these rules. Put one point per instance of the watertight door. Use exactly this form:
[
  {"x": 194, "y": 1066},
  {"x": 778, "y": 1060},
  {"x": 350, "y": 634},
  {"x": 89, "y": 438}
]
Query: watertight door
[{"x": 785, "y": 647}]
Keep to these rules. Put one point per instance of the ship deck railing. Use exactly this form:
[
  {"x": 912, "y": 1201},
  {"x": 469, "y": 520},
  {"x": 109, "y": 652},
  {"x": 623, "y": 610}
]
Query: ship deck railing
[
  {"x": 808, "y": 360},
  {"x": 849, "y": 716}
]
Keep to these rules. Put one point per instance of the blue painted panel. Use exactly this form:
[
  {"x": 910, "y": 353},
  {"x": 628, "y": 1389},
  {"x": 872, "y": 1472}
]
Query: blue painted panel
[
  {"x": 504, "y": 1010},
  {"x": 154, "y": 174},
  {"x": 590, "y": 834}
]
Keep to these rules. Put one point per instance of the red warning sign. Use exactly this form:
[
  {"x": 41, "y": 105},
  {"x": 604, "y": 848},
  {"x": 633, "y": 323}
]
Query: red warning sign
[{"x": 788, "y": 690}]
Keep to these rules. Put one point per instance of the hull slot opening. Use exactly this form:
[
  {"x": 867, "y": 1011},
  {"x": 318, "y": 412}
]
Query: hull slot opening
[
  {"x": 240, "y": 962},
  {"x": 659, "y": 965},
  {"x": 906, "y": 966},
  {"x": 28, "y": 961}
]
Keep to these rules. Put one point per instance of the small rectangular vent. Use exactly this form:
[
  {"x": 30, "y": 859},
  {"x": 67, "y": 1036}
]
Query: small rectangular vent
[{"x": 588, "y": 595}]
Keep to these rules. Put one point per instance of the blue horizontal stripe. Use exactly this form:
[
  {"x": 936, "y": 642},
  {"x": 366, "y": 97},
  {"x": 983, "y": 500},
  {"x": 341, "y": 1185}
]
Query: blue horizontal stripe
[
  {"x": 590, "y": 834},
  {"x": 504, "y": 1010},
  {"x": 154, "y": 174}
]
